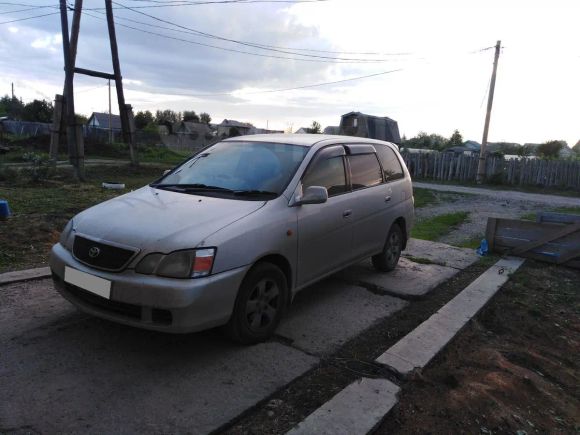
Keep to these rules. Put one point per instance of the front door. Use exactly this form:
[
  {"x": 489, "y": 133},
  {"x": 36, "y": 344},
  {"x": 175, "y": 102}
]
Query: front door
[{"x": 325, "y": 230}]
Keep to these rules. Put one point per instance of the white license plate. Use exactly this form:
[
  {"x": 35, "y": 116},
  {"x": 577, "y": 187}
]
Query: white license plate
[{"x": 88, "y": 282}]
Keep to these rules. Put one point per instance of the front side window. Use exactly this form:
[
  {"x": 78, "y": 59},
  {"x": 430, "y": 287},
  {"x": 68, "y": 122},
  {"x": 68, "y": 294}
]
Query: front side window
[
  {"x": 391, "y": 166},
  {"x": 365, "y": 170},
  {"x": 237, "y": 168},
  {"x": 327, "y": 172}
]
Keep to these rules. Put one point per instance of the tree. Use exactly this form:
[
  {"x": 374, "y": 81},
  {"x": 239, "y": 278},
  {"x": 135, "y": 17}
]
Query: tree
[
  {"x": 315, "y": 128},
  {"x": 11, "y": 106},
  {"x": 456, "y": 140},
  {"x": 142, "y": 119},
  {"x": 550, "y": 149},
  {"x": 204, "y": 117},
  {"x": 37, "y": 111},
  {"x": 576, "y": 148},
  {"x": 190, "y": 116},
  {"x": 167, "y": 116},
  {"x": 234, "y": 132}
]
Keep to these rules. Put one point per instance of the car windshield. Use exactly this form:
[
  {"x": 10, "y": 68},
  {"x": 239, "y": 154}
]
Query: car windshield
[{"x": 237, "y": 168}]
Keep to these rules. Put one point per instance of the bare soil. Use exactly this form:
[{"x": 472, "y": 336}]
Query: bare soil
[{"x": 515, "y": 369}]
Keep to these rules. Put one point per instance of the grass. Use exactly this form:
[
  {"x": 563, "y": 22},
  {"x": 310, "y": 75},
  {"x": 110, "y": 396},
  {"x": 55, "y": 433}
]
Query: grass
[
  {"x": 423, "y": 197},
  {"x": 40, "y": 210},
  {"x": 438, "y": 226}
]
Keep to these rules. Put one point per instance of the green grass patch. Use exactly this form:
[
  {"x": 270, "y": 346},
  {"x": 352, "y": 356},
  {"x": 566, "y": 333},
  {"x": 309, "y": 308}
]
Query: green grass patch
[
  {"x": 40, "y": 210},
  {"x": 471, "y": 243},
  {"x": 423, "y": 197},
  {"x": 438, "y": 226}
]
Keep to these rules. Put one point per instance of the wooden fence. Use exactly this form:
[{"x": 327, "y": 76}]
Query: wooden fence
[{"x": 460, "y": 167}]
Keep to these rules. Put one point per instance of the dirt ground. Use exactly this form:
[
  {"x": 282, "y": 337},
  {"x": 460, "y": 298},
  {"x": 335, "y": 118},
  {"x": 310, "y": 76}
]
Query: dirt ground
[{"x": 515, "y": 369}]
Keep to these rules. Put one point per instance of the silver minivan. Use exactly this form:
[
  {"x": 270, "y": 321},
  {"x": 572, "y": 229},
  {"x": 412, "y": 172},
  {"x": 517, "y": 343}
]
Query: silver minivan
[{"x": 229, "y": 236}]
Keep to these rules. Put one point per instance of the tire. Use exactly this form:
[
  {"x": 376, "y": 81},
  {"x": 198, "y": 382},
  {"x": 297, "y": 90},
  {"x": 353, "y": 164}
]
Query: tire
[
  {"x": 261, "y": 302},
  {"x": 389, "y": 258}
]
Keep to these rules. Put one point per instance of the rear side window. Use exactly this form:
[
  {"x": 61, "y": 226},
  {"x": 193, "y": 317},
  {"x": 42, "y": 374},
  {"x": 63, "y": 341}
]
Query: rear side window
[
  {"x": 391, "y": 165},
  {"x": 328, "y": 173},
  {"x": 365, "y": 171}
]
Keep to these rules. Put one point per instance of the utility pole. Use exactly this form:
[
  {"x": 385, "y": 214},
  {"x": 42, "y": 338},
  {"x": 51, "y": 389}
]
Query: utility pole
[
  {"x": 127, "y": 134},
  {"x": 110, "y": 116},
  {"x": 12, "y": 90},
  {"x": 482, "y": 153},
  {"x": 71, "y": 130}
]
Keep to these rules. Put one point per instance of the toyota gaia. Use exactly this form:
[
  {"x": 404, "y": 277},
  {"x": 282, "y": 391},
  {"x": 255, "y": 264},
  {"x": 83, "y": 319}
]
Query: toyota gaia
[{"x": 229, "y": 236}]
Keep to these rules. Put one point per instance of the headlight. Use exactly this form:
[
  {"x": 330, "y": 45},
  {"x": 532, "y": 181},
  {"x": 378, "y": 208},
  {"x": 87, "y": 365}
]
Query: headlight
[
  {"x": 65, "y": 236},
  {"x": 191, "y": 263}
]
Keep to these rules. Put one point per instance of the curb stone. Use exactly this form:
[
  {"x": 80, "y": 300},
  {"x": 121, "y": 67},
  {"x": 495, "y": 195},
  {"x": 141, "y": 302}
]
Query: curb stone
[{"x": 24, "y": 275}]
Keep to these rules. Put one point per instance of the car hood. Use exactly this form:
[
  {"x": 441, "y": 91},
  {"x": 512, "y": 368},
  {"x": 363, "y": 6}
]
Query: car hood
[{"x": 155, "y": 220}]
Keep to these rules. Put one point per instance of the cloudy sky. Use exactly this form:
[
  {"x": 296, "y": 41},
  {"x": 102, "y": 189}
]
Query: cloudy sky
[{"x": 439, "y": 53}]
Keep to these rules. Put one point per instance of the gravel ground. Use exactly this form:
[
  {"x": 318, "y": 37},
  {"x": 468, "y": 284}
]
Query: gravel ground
[{"x": 479, "y": 208}]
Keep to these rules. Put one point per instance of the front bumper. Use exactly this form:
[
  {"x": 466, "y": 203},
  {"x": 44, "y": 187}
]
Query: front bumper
[{"x": 152, "y": 302}]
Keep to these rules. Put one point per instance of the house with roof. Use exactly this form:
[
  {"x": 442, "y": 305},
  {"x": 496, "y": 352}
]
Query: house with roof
[
  {"x": 373, "y": 127},
  {"x": 230, "y": 127},
  {"x": 100, "y": 121},
  {"x": 302, "y": 130},
  {"x": 186, "y": 136},
  {"x": 331, "y": 130}
]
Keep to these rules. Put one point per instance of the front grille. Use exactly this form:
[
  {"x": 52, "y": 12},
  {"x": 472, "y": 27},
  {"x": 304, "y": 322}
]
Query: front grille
[
  {"x": 107, "y": 257},
  {"x": 158, "y": 315}
]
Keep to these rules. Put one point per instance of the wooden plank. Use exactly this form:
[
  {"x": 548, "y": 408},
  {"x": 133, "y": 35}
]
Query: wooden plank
[
  {"x": 561, "y": 218},
  {"x": 490, "y": 233},
  {"x": 568, "y": 229}
]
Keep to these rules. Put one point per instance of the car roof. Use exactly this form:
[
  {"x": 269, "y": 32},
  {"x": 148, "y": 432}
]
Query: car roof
[{"x": 307, "y": 140}]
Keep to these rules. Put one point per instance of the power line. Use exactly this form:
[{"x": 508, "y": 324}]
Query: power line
[
  {"x": 293, "y": 88},
  {"x": 230, "y": 49},
  {"x": 29, "y": 18},
  {"x": 25, "y": 10},
  {"x": 248, "y": 44},
  {"x": 211, "y": 2}
]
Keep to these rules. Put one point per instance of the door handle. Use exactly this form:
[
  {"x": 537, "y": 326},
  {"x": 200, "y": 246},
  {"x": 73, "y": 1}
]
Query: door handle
[
  {"x": 346, "y": 213},
  {"x": 387, "y": 198}
]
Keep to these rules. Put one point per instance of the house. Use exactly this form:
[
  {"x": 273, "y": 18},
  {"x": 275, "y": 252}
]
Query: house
[
  {"x": 302, "y": 130},
  {"x": 461, "y": 150},
  {"x": 100, "y": 121},
  {"x": 472, "y": 145},
  {"x": 229, "y": 128},
  {"x": 374, "y": 127},
  {"x": 186, "y": 136},
  {"x": 332, "y": 130}
]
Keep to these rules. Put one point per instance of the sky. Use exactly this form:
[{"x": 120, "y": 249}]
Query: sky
[{"x": 430, "y": 62}]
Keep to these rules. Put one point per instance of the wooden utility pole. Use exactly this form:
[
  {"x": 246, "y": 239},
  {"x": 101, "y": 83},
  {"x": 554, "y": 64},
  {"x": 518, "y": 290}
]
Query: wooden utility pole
[
  {"x": 71, "y": 130},
  {"x": 12, "y": 89},
  {"x": 482, "y": 153},
  {"x": 110, "y": 117},
  {"x": 127, "y": 135}
]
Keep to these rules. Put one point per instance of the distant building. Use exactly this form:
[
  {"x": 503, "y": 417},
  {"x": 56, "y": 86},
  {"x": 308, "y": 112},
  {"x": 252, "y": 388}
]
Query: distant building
[
  {"x": 229, "y": 127},
  {"x": 100, "y": 121},
  {"x": 472, "y": 145},
  {"x": 374, "y": 127},
  {"x": 302, "y": 130},
  {"x": 256, "y": 130},
  {"x": 186, "y": 136},
  {"x": 332, "y": 130},
  {"x": 461, "y": 150}
]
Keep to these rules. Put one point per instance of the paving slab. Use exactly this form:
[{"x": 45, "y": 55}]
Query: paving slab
[
  {"x": 441, "y": 253},
  {"x": 357, "y": 409},
  {"x": 409, "y": 280},
  {"x": 62, "y": 371},
  {"x": 419, "y": 347},
  {"x": 325, "y": 316},
  {"x": 24, "y": 275}
]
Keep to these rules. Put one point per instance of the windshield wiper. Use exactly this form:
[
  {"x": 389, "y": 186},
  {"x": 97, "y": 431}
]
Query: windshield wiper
[
  {"x": 197, "y": 187},
  {"x": 254, "y": 192}
]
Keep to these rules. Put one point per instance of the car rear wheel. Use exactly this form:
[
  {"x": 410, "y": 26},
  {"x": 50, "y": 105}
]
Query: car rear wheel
[
  {"x": 389, "y": 258},
  {"x": 260, "y": 305}
]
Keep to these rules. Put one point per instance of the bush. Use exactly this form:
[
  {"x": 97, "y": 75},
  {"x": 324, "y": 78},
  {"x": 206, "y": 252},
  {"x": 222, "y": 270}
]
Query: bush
[{"x": 8, "y": 174}]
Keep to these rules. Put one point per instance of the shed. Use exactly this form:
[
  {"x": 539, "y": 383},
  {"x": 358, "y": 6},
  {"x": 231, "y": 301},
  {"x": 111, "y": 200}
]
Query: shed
[{"x": 374, "y": 127}]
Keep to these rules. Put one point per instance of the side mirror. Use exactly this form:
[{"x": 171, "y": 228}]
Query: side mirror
[
  {"x": 167, "y": 171},
  {"x": 313, "y": 195}
]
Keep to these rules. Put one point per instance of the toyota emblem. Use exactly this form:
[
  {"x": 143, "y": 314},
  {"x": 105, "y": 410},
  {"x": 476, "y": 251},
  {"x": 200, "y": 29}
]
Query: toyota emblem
[{"x": 94, "y": 252}]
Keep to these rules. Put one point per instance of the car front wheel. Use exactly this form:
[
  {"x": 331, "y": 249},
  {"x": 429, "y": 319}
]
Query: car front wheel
[
  {"x": 389, "y": 258},
  {"x": 259, "y": 306}
]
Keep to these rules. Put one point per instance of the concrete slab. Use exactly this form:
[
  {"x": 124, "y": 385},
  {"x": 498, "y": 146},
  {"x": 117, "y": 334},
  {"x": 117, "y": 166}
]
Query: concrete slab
[
  {"x": 416, "y": 349},
  {"x": 24, "y": 275},
  {"x": 441, "y": 253},
  {"x": 357, "y": 409},
  {"x": 325, "y": 316},
  {"x": 409, "y": 280},
  {"x": 65, "y": 372}
]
